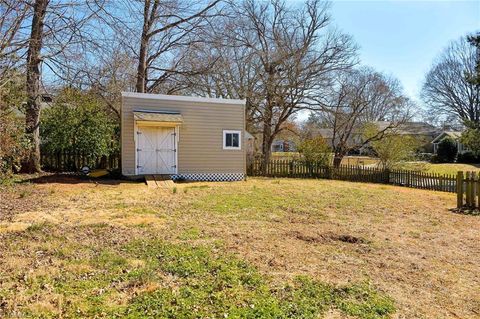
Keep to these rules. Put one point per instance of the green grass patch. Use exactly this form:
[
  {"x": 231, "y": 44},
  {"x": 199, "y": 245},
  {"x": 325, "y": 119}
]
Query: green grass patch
[
  {"x": 257, "y": 200},
  {"x": 144, "y": 210},
  {"x": 220, "y": 286},
  {"x": 190, "y": 234},
  {"x": 37, "y": 227},
  {"x": 159, "y": 279},
  {"x": 280, "y": 198}
]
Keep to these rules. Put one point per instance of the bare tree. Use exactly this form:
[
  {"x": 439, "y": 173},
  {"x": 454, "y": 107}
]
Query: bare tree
[
  {"x": 447, "y": 89},
  {"x": 359, "y": 97},
  {"x": 13, "y": 14},
  {"x": 167, "y": 27},
  {"x": 276, "y": 57},
  {"x": 138, "y": 46},
  {"x": 113, "y": 72}
]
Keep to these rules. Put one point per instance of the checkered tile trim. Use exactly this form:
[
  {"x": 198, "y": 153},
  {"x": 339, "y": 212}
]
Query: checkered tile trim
[{"x": 210, "y": 177}]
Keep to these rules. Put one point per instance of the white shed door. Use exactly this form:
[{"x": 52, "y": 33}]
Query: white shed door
[{"x": 156, "y": 147}]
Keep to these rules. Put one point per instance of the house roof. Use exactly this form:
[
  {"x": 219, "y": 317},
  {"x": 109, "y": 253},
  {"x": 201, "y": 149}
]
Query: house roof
[
  {"x": 420, "y": 129},
  {"x": 453, "y": 134},
  {"x": 249, "y": 136},
  {"x": 325, "y": 132},
  {"x": 281, "y": 141},
  {"x": 409, "y": 128}
]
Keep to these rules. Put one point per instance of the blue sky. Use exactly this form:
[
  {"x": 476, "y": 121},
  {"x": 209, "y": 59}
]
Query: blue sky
[{"x": 402, "y": 38}]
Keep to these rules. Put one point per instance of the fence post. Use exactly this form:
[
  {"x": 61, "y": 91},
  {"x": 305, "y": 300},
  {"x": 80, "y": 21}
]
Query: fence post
[
  {"x": 387, "y": 176},
  {"x": 478, "y": 191},
  {"x": 473, "y": 195},
  {"x": 468, "y": 190},
  {"x": 459, "y": 189},
  {"x": 471, "y": 189}
]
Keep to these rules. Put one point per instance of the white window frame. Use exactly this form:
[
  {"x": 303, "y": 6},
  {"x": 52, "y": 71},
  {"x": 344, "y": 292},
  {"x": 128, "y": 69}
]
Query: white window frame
[{"x": 225, "y": 132}]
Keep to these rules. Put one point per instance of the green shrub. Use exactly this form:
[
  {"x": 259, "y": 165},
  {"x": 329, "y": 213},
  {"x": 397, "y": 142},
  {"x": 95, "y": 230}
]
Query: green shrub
[
  {"x": 315, "y": 150},
  {"x": 14, "y": 143},
  {"x": 392, "y": 148},
  {"x": 471, "y": 139},
  {"x": 468, "y": 157},
  {"x": 78, "y": 123},
  {"x": 446, "y": 151}
]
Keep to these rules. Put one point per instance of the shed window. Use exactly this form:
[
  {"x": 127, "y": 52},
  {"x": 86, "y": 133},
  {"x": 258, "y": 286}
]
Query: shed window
[{"x": 231, "y": 140}]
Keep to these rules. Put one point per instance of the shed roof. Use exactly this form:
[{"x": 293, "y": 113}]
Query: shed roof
[
  {"x": 157, "y": 116},
  {"x": 193, "y": 99}
]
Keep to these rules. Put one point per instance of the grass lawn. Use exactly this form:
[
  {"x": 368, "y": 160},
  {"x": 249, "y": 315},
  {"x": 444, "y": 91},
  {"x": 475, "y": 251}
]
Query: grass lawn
[
  {"x": 447, "y": 168},
  {"x": 263, "y": 248}
]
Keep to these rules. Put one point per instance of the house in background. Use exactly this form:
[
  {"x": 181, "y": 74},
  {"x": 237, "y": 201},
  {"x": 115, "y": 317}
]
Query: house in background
[
  {"x": 454, "y": 135},
  {"x": 328, "y": 133},
  {"x": 183, "y": 137},
  {"x": 282, "y": 145},
  {"x": 422, "y": 131}
]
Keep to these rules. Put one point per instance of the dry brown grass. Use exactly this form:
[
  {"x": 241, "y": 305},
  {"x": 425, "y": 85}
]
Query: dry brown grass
[{"x": 406, "y": 242}]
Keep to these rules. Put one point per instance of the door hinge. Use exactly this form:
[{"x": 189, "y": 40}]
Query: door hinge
[
  {"x": 138, "y": 133},
  {"x": 139, "y": 150},
  {"x": 174, "y": 134},
  {"x": 174, "y": 150},
  {"x": 138, "y": 166},
  {"x": 174, "y": 166}
]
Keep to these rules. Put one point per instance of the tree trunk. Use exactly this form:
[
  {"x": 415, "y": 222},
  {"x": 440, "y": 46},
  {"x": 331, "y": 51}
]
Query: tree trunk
[
  {"x": 267, "y": 139},
  {"x": 142, "y": 67},
  {"x": 32, "y": 116},
  {"x": 266, "y": 145},
  {"x": 141, "y": 84},
  {"x": 337, "y": 160}
]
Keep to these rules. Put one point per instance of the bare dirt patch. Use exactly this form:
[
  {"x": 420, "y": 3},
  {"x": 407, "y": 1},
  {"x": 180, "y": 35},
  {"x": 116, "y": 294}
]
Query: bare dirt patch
[{"x": 322, "y": 238}]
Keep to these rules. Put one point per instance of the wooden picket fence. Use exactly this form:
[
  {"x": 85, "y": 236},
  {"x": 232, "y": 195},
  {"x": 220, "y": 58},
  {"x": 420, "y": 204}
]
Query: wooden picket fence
[
  {"x": 468, "y": 190},
  {"x": 303, "y": 169},
  {"x": 71, "y": 162}
]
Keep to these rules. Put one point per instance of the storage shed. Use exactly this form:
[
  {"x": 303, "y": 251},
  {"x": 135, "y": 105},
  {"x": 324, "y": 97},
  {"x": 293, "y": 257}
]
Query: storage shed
[{"x": 183, "y": 137}]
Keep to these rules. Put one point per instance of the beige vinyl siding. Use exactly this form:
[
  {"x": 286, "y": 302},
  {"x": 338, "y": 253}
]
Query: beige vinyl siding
[{"x": 200, "y": 144}]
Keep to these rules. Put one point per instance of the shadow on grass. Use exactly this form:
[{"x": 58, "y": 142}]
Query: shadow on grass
[
  {"x": 466, "y": 211},
  {"x": 75, "y": 178}
]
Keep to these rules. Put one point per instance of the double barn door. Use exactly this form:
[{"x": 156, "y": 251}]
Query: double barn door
[{"x": 156, "y": 150}]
